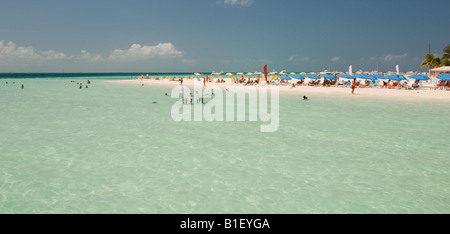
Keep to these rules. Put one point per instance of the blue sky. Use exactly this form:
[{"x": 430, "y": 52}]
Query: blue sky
[{"x": 216, "y": 35}]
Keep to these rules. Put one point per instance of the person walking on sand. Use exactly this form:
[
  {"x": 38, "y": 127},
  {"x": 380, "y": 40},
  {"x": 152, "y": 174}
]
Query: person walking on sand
[{"x": 353, "y": 86}]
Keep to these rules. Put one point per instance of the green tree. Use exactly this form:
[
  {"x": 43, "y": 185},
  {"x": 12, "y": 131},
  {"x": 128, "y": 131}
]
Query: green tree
[
  {"x": 445, "y": 59},
  {"x": 431, "y": 60}
]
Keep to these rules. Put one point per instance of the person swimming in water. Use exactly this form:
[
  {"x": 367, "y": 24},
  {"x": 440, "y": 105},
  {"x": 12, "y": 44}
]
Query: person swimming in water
[{"x": 305, "y": 98}]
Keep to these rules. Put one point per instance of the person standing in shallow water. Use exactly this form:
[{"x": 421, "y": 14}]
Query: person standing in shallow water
[
  {"x": 23, "y": 86},
  {"x": 81, "y": 85}
]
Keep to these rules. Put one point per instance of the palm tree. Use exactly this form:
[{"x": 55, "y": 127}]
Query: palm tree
[
  {"x": 431, "y": 60},
  {"x": 445, "y": 59}
]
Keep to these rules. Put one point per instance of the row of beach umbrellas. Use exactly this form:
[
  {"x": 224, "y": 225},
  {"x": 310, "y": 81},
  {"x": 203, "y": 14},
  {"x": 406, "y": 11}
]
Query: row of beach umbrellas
[
  {"x": 315, "y": 76},
  {"x": 363, "y": 76}
]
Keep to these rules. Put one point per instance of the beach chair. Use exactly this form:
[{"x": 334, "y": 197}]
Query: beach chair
[
  {"x": 373, "y": 83},
  {"x": 363, "y": 86},
  {"x": 391, "y": 86},
  {"x": 275, "y": 82},
  {"x": 434, "y": 87}
]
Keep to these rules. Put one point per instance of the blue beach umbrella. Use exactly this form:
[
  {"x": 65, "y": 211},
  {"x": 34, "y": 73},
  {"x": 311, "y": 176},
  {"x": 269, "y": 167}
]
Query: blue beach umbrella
[
  {"x": 312, "y": 76},
  {"x": 346, "y": 76},
  {"x": 329, "y": 76},
  {"x": 394, "y": 77},
  {"x": 401, "y": 77},
  {"x": 366, "y": 77},
  {"x": 285, "y": 78},
  {"x": 370, "y": 77},
  {"x": 378, "y": 76},
  {"x": 444, "y": 76},
  {"x": 298, "y": 77},
  {"x": 419, "y": 77},
  {"x": 360, "y": 76}
]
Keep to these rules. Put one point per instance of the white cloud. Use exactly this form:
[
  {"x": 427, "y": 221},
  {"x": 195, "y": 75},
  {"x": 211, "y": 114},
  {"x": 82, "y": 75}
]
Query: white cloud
[
  {"x": 138, "y": 52},
  {"x": 11, "y": 51},
  {"x": 84, "y": 55},
  {"x": 51, "y": 54},
  {"x": 391, "y": 58},
  {"x": 239, "y": 2},
  {"x": 294, "y": 58},
  {"x": 336, "y": 59}
]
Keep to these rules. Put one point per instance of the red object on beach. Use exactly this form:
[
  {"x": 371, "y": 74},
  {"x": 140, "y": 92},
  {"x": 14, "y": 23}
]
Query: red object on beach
[{"x": 265, "y": 71}]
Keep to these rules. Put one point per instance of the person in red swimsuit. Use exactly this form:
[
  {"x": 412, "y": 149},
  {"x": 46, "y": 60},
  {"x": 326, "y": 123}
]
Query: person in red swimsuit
[{"x": 353, "y": 86}]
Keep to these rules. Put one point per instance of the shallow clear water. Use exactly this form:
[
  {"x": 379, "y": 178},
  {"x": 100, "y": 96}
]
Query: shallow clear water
[{"x": 110, "y": 149}]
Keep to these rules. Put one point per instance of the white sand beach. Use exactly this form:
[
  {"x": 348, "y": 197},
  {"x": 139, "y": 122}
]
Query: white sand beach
[{"x": 423, "y": 93}]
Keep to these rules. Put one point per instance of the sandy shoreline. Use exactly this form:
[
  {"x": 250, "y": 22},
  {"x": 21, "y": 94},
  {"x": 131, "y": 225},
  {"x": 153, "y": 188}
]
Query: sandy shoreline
[{"x": 423, "y": 93}]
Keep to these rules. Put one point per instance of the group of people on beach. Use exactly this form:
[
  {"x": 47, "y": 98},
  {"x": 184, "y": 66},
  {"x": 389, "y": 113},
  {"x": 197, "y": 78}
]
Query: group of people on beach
[{"x": 142, "y": 76}]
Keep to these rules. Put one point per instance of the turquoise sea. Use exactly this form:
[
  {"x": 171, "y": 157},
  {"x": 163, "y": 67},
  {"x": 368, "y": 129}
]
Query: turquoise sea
[{"x": 114, "y": 148}]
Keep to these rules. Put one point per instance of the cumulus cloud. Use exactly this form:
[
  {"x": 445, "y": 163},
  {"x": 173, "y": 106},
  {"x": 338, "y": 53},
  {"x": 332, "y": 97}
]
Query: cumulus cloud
[
  {"x": 11, "y": 51},
  {"x": 138, "y": 52},
  {"x": 391, "y": 58},
  {"x": 238, "y": 2},
  {"x": 84, "y": 55},
  {"x": 51, "y": 54}
]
